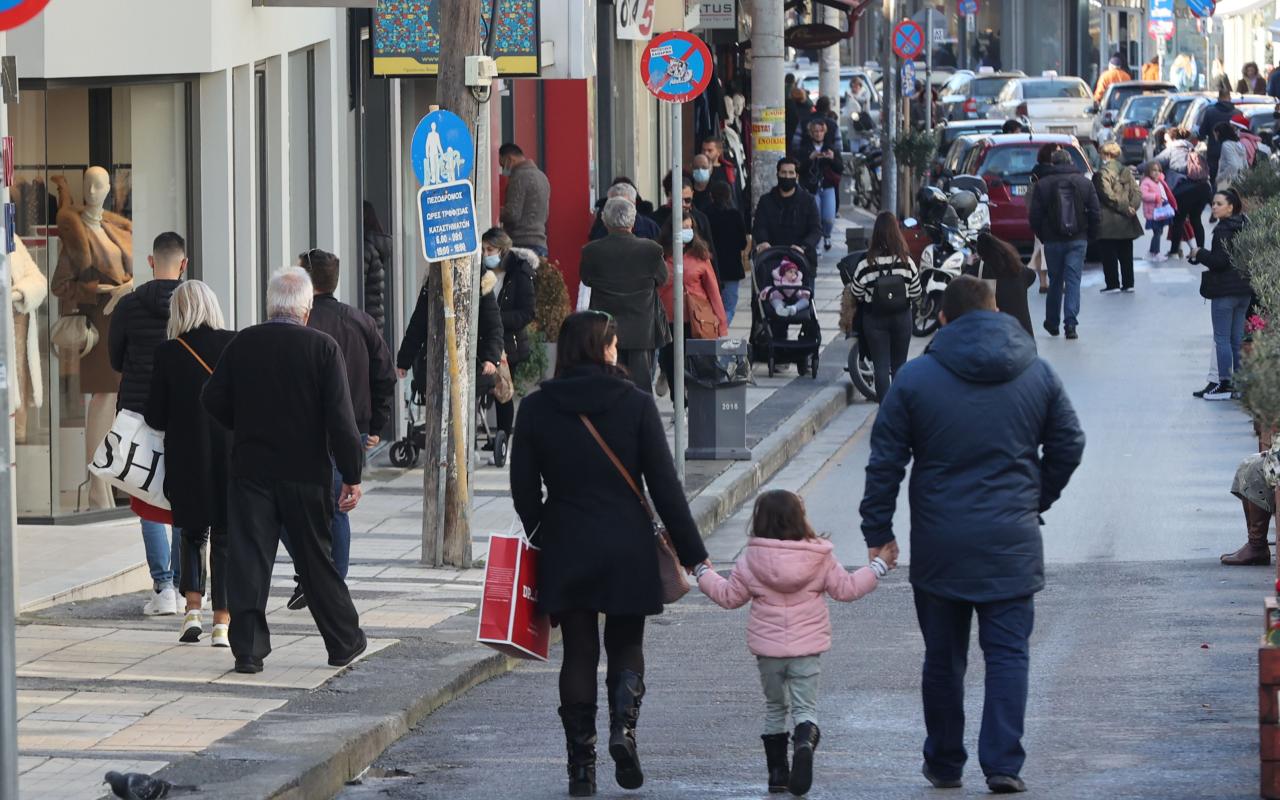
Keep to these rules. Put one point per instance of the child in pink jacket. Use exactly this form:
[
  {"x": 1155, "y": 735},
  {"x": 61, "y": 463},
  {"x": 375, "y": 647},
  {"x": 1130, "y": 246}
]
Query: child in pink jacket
[{"x": 785, "y": 572}]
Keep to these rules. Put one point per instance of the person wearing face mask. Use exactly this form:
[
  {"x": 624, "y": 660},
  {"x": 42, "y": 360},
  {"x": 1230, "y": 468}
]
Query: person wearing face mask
[
  {"x": 788, "y": 215},
  {"x": 513, "y": 268},
  {"x": 701, "y": 291},
  {"x": 527, "y": 202},
  {"x": 702, "y": 181},
  {"x": 662, "y": 215}
]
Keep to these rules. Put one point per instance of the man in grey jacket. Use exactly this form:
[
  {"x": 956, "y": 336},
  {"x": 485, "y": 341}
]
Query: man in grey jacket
[{"x": 528, "y": 200}]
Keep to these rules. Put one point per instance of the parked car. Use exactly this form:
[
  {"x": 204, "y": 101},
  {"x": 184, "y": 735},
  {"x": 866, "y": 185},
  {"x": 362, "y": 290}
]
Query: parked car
[
  {"x": 1004, "y": 162},
  {"x": 1132, "y": 127},
  {"x": 1113, "y": 100},
  {"x": 949, "y": 132},
  {"x": 1171, "y": 111},
  {"x": 953, "y": 161},
  {"x": 1263, "y": 122},
  {"x": 970, "y": 95},
  {"x": 1194, "y": 113},
  {"x": 1052, "y": 104}
]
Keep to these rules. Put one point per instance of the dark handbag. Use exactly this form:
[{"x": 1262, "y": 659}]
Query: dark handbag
[
  {"x": 675, "y": 584},
  {"x": 889, "y": 293}
]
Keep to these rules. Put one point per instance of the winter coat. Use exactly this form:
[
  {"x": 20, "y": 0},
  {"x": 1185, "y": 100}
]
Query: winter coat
[
  {"x": 197, "y": 451},
  {"x": 26, "y": 385},
  {"x": 1119, "y": 198},
  {"x": 814, "y": 172},
  {"x": 1109, "y": 76},
  {"x": 1218, "y": 112},
  {"x": 371, "y": 377},
  {"x": 516, "y": 301},
  {"x": 377, "y": 260},
  {"x": 645, "y": 228},
  {"x": 729, "y": 236},
  {"x": 785, "y": 582},
  {"x": 1150, "y": 72},
  {"x": 701, "y": 225},
  {"x": 1257, "y": 86},
  {"x": 526, "y": 206},
  {"x": 624, "y": 273},
  {"x": 83, "y": 266},
  {"x": 598, "y": 551},
  {"x": 699, "y": 280},
  {"x": 489, "y": 338},
  {"x": 1173, "y": 160},
  {"x": 1223, "y": 278},
  {"x": 1232, "y": 163},
  {"x": 976, "y": 490},
  {"x": 1011, "y": 297},
  {"x": 1042, "y": 204},
  {"x": 1154, "y": 194},
  {"x": 137, "y": 328},
  {"x": 785, "y": 221}
]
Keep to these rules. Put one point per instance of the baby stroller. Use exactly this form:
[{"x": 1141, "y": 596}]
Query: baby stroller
[
  {"x": 405, "y": 452},
  {"x": 783, "y": 299}
]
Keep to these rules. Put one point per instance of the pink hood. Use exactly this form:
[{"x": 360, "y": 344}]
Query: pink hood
[{"x": 786, "y": 582}]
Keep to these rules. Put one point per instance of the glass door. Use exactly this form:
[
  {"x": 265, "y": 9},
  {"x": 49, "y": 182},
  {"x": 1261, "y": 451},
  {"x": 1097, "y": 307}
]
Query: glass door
[{"x": 1123, "y": 30}]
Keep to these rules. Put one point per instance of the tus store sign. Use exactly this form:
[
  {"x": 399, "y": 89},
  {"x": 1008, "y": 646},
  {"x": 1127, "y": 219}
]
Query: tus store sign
[{"x": 17, "y": 12}]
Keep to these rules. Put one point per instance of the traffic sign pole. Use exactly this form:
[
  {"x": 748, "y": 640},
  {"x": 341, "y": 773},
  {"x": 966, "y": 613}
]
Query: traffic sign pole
[
  {"x": 677, "y": 283},
  {"x": 928, "y": 70}
]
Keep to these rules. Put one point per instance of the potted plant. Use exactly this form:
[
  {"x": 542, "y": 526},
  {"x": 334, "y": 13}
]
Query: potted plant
[{"x": 550, "y": 307}]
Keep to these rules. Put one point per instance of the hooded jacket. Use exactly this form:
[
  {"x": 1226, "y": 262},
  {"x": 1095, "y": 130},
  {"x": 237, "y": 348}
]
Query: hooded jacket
[
  {"x": 137, "y": 328},
  {"x": 1042, "y": 208},
  {"x": 994, "y": 440},
  {"x": 1222, "y": 278},
  {"x": 786, "y": 581},
  {"x": 597, "y": 542}
]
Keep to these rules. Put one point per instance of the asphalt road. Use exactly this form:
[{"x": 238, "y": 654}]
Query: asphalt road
[{"x": 1143, "y": 663}]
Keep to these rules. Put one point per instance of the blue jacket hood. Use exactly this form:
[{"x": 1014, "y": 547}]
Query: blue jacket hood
[{"x": 984, "y": 347}]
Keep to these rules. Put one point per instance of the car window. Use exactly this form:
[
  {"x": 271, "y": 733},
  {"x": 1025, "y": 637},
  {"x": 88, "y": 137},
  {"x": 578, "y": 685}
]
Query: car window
[
  {"x": 1122, "y": 94},
  {"x": 959, "y": 84},
  {"x": 986, "y": 88},
  {"x": 1141, "y": 108},
  {"x": 1017, "y": 160},
  {"x": 1043, "y": 90},
  {"x": 1176, "y": 111},
  {"x": 956, "y": 157}
]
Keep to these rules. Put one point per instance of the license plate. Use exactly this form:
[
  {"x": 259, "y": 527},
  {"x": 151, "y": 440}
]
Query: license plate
[
  {"x": 1018, "y": 191},
  {"x": 1069, "y": 130}
]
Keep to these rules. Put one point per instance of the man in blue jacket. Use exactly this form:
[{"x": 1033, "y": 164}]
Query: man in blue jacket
[{"x": 994, "y": 440}]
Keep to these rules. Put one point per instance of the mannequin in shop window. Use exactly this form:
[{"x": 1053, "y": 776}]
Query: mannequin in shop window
[
  {"x": 95, "y": 270},
  {"x": 28, "y": 290}
]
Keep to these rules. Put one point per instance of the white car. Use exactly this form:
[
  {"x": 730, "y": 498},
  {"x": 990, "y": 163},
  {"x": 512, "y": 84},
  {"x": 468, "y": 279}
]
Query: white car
[{"x": 1057, "y": 104}]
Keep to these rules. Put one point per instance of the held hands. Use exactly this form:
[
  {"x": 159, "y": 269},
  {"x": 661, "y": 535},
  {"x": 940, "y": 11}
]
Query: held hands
[
  {"x": 888, "y": 552},
  {"x": 349, "y": 497},
  {"x": 696, "y": 568}
]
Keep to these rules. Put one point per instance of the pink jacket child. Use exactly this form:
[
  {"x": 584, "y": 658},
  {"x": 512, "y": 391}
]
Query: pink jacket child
[{"x": 1155, "y": 191}]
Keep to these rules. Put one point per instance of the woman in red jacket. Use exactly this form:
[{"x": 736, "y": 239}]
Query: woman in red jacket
[{"x": 703, "y": 308}]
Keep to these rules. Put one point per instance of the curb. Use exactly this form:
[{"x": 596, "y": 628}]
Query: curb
[{"x": 126, "y": 581}]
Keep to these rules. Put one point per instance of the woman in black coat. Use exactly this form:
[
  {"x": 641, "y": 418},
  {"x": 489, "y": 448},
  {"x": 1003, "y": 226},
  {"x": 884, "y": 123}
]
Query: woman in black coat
[
  {"x": 514, "y": 270},
  {"x": 1227, "y": 289},
  {"x": 598, "y": 549},
  {"x": 197, "y": 450},
  {"x": 729, "y": 235},
  {"x": 1001, "y": 262}
]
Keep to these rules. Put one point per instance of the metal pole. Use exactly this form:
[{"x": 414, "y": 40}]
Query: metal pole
[
  {"x": 677, "y": 285},
  {"x": 767, "y": 102},
  {"x": 928, "y": 69},
  {"x": 889, "y": 113}
]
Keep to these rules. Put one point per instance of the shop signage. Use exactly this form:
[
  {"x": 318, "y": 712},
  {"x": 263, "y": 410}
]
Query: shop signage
[
  {"x": 813, "y": 36},
  {"x": 16, "y": 12},
  {"x": 319, "y": 3},
  {"x": 634, "y": 19},
  {"x": 719, "y": 16},
  {"x": 908, "y": 39},
  {"x": 968, "y": 7},
  {"x": 676, "y": 67},
  {"x": 406, "y": 37},
  {"x": 447, "y": 217}
]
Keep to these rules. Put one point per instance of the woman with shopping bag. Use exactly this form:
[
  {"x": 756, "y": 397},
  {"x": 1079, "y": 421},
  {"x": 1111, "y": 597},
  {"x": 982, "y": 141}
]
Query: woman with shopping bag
[{"x": 592, "y": 438}]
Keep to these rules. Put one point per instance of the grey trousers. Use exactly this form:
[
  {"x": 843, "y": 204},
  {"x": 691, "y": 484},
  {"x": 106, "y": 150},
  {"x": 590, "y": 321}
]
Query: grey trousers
[{"x": 790, "y": 684}]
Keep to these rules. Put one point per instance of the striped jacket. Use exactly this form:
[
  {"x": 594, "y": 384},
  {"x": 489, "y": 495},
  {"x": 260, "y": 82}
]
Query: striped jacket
[{"x": 866, "y": 273}]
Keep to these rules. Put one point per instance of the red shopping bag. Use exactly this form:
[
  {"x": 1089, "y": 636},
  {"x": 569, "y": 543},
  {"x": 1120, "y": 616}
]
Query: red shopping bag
[{"x": 509, "y": 618}]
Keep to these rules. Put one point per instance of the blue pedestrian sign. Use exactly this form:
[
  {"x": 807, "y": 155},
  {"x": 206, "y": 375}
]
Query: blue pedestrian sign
[
  {"x": 447, "y": 217},
  {"x": 908, "y": 79},
  {"x": 1162, "y": 10},
  {"x": 441, "y": 149},
  {"x": 970, "y": 7}
]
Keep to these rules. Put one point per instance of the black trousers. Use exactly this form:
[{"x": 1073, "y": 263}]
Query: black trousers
[
  {"x": 623, "y": 644},
  {"x": 1192, "y": 199},
  {"x": 259, "y": 509},
  {"x": 639, "y": 363},
  {"x": 888, "y": 339},
  {"x": 192, "y": 579},
  {"x": 1117, "y": 262}
]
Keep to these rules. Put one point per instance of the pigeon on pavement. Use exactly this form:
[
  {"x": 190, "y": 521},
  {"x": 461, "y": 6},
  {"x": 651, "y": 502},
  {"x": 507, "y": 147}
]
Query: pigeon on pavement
[{"x": 140, "y": 786}]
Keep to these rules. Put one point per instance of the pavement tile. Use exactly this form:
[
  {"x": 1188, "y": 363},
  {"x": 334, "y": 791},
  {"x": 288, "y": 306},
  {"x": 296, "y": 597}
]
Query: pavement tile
[
  {"x": 301, "y": 665},
  {"x": 63, "y": 778},
  {"x": 411, "y": 614}
]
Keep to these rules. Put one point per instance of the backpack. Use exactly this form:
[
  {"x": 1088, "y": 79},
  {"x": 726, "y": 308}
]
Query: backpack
[
  {"x": 1197, "y": 170},
  {"x": 1064, "y": 212},
  {"x": 889, "y": 293}
]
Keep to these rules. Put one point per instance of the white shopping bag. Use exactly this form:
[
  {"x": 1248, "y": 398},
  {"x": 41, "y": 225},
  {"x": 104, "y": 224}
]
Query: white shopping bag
[{"x": 131, "y": 459}]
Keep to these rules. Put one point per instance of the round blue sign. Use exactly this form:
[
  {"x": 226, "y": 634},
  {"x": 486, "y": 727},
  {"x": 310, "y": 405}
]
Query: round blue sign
[
  {"x": 968, "y": 7},
  {"x": 442, "y": 150}
]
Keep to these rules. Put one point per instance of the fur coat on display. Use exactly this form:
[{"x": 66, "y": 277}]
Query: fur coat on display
[{"x": 30, "y": 288}]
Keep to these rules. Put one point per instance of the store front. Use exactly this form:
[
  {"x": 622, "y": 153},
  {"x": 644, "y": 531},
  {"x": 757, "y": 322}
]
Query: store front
[
  {"x": 1003, "y": 34},
  {"x": 137, "y": 136}
]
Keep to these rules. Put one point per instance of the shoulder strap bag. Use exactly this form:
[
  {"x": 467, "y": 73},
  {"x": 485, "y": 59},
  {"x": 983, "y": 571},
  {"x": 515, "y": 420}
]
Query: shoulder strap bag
[
  {"x": 672, "y": 576},
  {"x": 194, "y": 354}
]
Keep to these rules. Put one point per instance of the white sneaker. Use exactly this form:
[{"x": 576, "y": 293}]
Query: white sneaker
[
  {"x": 219, "y": 638},
  {"x": 192, "y": 627},
  {"x": 163, "y": 604}
]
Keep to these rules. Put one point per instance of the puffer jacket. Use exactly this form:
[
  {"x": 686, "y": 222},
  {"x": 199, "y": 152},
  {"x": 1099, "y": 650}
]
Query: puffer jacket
[
  {"x": 786, "y": 582},
  {"x": 137, "y": 328},
  {"x": 516, "y": 300},
  {"x": 1223, "y": 278},
  {"x": 377, "y": 260}
]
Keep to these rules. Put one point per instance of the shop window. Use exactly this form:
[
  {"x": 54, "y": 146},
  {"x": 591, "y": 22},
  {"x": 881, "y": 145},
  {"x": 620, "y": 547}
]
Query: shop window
[
  {"x": 100, "y": 171},
  {"x": 302, "y": 153},
  {"x": 261, "y": 160}
]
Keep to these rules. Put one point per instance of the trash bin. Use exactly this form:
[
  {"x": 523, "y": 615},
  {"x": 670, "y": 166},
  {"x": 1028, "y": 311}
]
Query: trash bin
[{"x": 717, "y": 372}]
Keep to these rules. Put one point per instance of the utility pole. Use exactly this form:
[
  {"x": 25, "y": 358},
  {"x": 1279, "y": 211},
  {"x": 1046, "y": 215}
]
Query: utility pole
[
  {"x": 767, "y": 107},
  {"x": 829, "y": 64},
  {"x": 452, "y": 288},
  {"x": 888, "y": 109},
  {"x": 8, "y": 526}
]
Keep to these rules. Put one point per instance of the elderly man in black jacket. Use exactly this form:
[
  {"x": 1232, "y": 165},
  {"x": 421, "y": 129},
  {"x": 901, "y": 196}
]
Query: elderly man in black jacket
[
  {"x": 624, "y": 273},
  {"x": 994, "y": 439},
  {"x": 281, "y": 389},
  {"x": 788, "y": 215}
]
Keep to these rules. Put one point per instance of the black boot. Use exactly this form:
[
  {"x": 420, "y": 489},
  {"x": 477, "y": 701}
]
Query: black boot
[
  {"x": 580, "y": 739},
  {"x": 775, "y": 753},
  {"x": 625, "y": 692},
  {"x": 804, "y": 741}
]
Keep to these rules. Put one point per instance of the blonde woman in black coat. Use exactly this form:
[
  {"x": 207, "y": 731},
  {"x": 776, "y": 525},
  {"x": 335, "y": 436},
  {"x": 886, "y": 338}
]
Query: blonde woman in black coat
[
  {"x": 197, "y": 451},
  {"x": 598, "y": 550}
]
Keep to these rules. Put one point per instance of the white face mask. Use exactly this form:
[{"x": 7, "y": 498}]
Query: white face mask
[
  {"x": 686, "y": 235},
  {"x": 492, "y": 261},
  {"x": 702, "y": 175}
]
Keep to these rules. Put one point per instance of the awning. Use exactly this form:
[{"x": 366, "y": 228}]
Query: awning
[{"x": 1231, "y": 8}]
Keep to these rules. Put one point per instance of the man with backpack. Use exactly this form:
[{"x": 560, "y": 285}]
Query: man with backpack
[{"x": 1064, "y": 213}]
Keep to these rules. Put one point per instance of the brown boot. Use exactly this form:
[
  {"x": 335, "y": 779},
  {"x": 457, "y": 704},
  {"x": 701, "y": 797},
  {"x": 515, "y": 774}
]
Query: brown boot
[{"x": 1255, "y": 553}]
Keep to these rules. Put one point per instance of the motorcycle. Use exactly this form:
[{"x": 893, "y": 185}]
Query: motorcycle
[{"x": 940, "y": 263}]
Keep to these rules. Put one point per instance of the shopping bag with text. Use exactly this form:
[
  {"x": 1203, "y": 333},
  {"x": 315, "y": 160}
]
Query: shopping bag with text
[{"x": 509, "y": 618}]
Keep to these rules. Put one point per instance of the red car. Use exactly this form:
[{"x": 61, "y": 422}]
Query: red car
[{"x": 1004, "y": 162}]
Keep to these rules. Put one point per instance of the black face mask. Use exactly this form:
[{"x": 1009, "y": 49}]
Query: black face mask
[{"x": 786, "y": 184}]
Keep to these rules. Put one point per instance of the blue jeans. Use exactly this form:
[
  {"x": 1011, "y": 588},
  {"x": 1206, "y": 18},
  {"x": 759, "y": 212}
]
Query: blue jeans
[
  {"x": 1156, "y": 228},
  {"x": 1064, "y": 262},
  {"x": 1228, "y": 332},
  {"x": 162, "y": 553},
  {"x": 340, "y": 525},
  {"x": 826, "y": 200},
  {"x": 729, "y": 296},
  {"x": 1004, "y": 628}
]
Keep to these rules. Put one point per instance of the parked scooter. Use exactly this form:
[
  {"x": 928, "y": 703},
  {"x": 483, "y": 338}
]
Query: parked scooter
[{"x": 952, "y": 224}]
